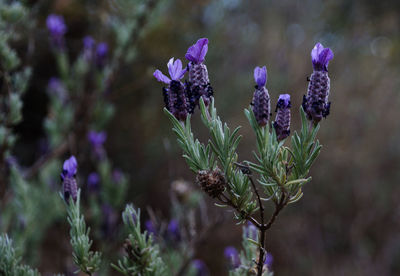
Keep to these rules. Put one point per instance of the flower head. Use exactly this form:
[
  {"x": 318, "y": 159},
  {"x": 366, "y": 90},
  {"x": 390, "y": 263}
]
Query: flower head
[
  {"x": 97, "y": 139},
  {"x": 70, "y": 167},
  {"x": 175, "y": 71},
  {"x": 232, "y": 255},
  {"x": 197, "y": 52},
  {"x": 320, "y": 57},
  {"x": 260, "y": 76},
  {"x": 200, "y": 267},
  {"x": 57, "y": 28},
  {"x": 101, "y": 54},
  {"x": 251, "y": 231},
  {"x": 56, "y": 87},
  {"x": 56, "y": 25},
  {"x": 93, "y": 182},
  {"x": 173, "y": 229},
  {"x": 70, "y": 188},
  {"x": 150, "y": 227},
  {"x": 268, "y": 261},
  {"x": 88, "y": 47},
  {"x": 282, "y": 119}
]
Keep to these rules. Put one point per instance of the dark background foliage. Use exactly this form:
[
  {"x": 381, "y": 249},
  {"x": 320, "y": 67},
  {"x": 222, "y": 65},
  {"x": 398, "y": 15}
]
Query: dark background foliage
[{"x": 348, "y": 221}]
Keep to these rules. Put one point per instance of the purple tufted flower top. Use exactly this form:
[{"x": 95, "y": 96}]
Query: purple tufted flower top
[
  {"x": 97, "y": 139},
  {"x": 175, "y": 71},
  {"x": 149, "y": 225},
  {"x": 70, "y": 167},
  {"x": 200, "y": 267},
  {"x": 232, "y": 255},
  {"x": 56, "y": 25},
  {"x": 197, "y": 52},
  {"x": 284, "y": 101},
  {"x": 93, "y": 181},
  {"x": 173, "y": 229},
  {"x": 260, "y": 76},
  {"x": 88, "y": 42},
  {"x": 320, "y": 57},
  {"x": 269, "y": 259}
]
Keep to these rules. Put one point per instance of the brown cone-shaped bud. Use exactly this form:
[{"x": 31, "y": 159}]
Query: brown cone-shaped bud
[{"x": 212, "y": 182}]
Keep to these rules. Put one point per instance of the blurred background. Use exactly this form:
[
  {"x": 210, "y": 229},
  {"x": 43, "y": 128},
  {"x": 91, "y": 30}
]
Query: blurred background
[{"x": 348, "y": 222}]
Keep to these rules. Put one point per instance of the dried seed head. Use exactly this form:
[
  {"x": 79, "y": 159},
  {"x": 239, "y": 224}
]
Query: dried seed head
[{"x": 212, "y": 182}]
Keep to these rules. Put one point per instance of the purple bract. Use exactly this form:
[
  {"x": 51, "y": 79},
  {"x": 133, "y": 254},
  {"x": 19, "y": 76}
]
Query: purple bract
[
  {"x": 175, "y": 71},
  {"x": 57, "y": 28},
  {"x": 320, "y": 57},
  {"x": 197, "y": 52},
  {"x": 260, "y": 76}
]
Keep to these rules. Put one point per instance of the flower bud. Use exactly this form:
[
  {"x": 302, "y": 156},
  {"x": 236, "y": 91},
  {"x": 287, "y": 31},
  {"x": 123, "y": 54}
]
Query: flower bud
[{"x": 70, "y": 187}]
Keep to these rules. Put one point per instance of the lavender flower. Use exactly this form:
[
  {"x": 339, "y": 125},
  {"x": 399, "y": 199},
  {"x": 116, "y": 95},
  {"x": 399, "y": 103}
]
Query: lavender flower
[
  {"x": 316, "y": 104},
  {"x": 199, "y": 82},
  {"x": 93, "y": 182},
  {"x": 282, "y": 119},
  {"x": 56, "y": 87},
  {"x": 232, "y": 255},
  {"x": 97, "y": 140},
  {"x": 70, "y": 188},
  {"x": 88, "y": 48},
  {"x": 101, "y": 54},
  {"x": 173, "y": 230},
  {"x": 175, "y": 96},
  {"x": 268, "y": 261},
  {"x": 150, "y": 227},
  {"x": 57, "y": 29},
  {"x": 261, "y": 100},
  {"x": 251, "y": 231},
  {"x": 200, "y": 267},
  {"x": 109, "y": 220}
]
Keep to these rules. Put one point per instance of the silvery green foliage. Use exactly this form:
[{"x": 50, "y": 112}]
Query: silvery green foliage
[
  {"x": 88, "y": 261},
  {"x": 142, "y": 255},
  {"x": 282, "y": 169},
  {"x": 13, "y": 76},
  {"x": 10, "y": 261}
]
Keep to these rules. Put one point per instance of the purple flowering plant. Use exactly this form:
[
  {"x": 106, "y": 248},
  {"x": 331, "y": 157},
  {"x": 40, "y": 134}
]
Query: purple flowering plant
[{"x": 280, "y": 169}]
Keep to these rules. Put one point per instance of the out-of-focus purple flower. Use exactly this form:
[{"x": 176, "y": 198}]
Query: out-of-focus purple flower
[
  {"x": 97, "y": 140},
  {"x": 93, "y": 182},
  {"x": 200, "y": 267},
  {"x": 70, "y": 188},
  {"x": 149, "y": 225},
  {"x": 320, "y": 57},
  {"x": 232, "y": 255},
  {"x": 197, "y": 52},
  {"x": 261, "y": 100},
  {"x": 199, "y": 82},
  {"x": 117, "y": 176},
  {"x": 251, "y": 231},
  {"x": 109, "y": 220},
  {"x": 175, "y": 95},
  {"x": 101, "y": 54},
  {"x": 269, "y": 259},
  {"x": 88, "y": 48},
  {"x": 173, "y": 230},
  {"x": 282, "y": 119},
  {"x": 57, "y": 29},
  {"x": 56, "y": 87},
  {"x": 315, "y": 103}
]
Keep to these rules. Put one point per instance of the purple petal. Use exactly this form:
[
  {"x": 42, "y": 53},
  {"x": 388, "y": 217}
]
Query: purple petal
[
  {"x": 175, "y": 69},
  {"x": 260, "y": 76},
  {"x": 161, "y": 77},
  {"x": 197, "y": 52},
  {"x": 70, "y": 166},
  {"x": 320, "y": 57},
  {"x": 316, "y": 51}
]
